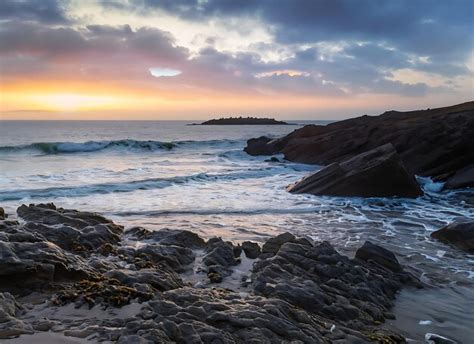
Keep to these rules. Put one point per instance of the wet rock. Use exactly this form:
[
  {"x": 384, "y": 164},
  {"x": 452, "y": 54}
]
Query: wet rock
[
  {"x": 48, "y": 214},
  {"x": 159, "y": 279},
  {"x": 168, "y": 237},
  {"x": 459, "y": 233},
  {"x": 376, "y": 173},
  {"x": 318, "y": 279},
  {"x": 3, "y": 216},
  {"x": 370, "y": 252},
  {"x": 218, "y": 259},
  {"x": 272, "y": 245},
  {"x": 71, "y": 230},
  {"x": 272, "y": 159},
  {"x": 8, "y": 307},
  {"x": 175, "y": 257},
  {"x": 251, "y": 249},
  {"x": 219, "y": 252},
  {"x": 10, "y": 326},
  {"x": 259, "y": 146},
  {"x": 26, "y": 266},
  {"x": 433, "y": 142}
]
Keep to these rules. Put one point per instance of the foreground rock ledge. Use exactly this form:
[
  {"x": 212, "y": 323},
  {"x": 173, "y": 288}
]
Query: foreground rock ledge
[
  {"x": 376, "y": 173},
  {"x": 297, "y": 290}
]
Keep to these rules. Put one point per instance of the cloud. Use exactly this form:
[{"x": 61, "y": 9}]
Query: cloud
[
  {"x": 317, "y": 48},
  {"x": 45, "y": 11}
]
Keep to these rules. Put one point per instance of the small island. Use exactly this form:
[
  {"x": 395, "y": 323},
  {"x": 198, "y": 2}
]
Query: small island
[{"x": 243, "y": 121}]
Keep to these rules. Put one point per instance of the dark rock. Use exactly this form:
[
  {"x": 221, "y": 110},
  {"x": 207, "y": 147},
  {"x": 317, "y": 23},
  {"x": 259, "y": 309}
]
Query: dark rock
[
  {"x": 218, "y": 259},
  {"x": 175, "y": 257},
  {"x": 25, "y": 266},
  {"x": 459, "y": 233},
  {"x": 272, "y": 159},
  {"x": 259, "y": 146},
  {"x": 168, "y": 237},
  {"x": 462, "y": 178},
  {"x": 70, "y": 229},
  {"x": 48, "y": 214},
  {"x": 318, "y": 279},
  {"x": 370, "y": 252},
  {"x": 10, "y": 326},
  {"x": 159, "y": 279},
  {"x": 434, "y": 142},
  {"x": 251, "y": 249},
  {"x": 376, "y": 173},
  {"x": 272, "y": 245},
  {"x": 3, "y": 216},
  {"x": 243, "y": 121}
]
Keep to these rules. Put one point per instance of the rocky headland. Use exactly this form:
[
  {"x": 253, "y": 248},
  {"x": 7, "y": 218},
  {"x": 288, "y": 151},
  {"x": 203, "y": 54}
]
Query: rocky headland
[
  {"x": 244, "y": 121},
  {"x": 69, "y": 273},
  {"x": 436, "y": 143}
]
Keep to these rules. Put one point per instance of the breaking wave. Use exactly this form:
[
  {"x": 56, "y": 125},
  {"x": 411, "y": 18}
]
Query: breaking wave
[{"x": 94, "y": 146}]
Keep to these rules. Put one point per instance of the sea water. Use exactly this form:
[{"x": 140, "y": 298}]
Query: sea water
[{"x": 170, "y": 174}]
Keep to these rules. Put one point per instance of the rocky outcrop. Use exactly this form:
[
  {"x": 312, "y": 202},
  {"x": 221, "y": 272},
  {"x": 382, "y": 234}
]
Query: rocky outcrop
[
  {"x": 436, "y": 142},
  {"x": 459, "y": 233},
  {"x": 69, "y": 229},
  {"x": 376, "y": 173},
  {"x": 315, "y": 277},
  {"x": 259, "y": 146},
  {"x": 297, "y": 290}
]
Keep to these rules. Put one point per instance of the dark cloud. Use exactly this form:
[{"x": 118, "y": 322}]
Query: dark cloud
[
  {"x": 44, "y": 11},
  {"x": 441, "y": 30}
]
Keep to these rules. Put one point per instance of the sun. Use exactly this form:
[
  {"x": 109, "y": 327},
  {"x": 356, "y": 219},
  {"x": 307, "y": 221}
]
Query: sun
[{"x": 73, "y": 101}]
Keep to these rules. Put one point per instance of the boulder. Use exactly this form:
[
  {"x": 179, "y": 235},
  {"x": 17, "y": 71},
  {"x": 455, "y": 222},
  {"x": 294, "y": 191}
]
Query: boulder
[
  {"x": 373, "y": 253},
  {"x": 251, "y": 249},
  {"x": 459, "y": 233},
  {"x": 376, "y": 173},
  {"x": 259, "y": 146},
  {"x": 272, "y": 245},
  {"x": 433, "y": 143},
  {"x": 3, "y": 216}
]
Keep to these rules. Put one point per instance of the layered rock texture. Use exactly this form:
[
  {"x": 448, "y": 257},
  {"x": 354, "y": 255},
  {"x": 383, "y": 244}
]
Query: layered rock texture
[
  {"x": 435, "y": 142},
  {"x": 298, "y": 290},
  {"x": 376, "y": 173}
]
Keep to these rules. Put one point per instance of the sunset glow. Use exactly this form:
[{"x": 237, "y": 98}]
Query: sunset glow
[{"x": 158, "y": 62}]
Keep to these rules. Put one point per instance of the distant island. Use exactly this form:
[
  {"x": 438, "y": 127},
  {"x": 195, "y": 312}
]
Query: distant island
[{"x": 243, "y": 121}]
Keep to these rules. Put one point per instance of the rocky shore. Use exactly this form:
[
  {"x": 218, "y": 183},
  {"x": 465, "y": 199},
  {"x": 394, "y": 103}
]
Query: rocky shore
[
  {"x": 436, "y": 143},
  {"x": 77, "y": 274}
]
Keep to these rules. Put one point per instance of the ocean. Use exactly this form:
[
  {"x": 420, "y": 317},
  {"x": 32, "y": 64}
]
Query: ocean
[{"x": 169, "y": 174}]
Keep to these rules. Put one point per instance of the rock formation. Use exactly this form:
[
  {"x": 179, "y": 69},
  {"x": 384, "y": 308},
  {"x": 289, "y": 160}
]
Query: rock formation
[{"x": 438, "y": 143}]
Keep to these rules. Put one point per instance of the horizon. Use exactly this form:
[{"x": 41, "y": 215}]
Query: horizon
[{"x": 185, "y": 60}]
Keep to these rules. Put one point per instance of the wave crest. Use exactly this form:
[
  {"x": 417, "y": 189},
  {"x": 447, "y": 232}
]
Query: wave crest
[{"x": 94, "y": 146}]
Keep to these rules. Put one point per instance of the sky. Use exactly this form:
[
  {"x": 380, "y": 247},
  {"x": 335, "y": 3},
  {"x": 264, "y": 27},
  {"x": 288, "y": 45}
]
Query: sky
[{"x": 198, "y": 59}]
